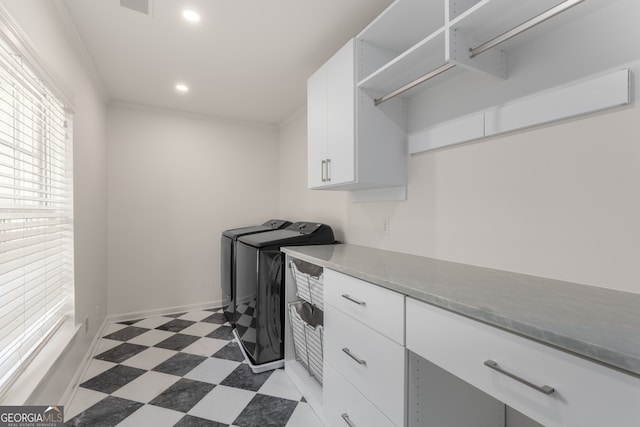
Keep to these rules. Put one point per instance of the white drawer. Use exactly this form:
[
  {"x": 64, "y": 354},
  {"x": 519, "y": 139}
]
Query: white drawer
[
  {"x": 381, "y": 376},
  {"x": 377, "y": 307},
  {"x": 586, "y": 393},
  {"x": 342, "y": 402}
]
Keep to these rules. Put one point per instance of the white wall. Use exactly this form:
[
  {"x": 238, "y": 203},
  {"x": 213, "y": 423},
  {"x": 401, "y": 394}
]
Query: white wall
[
  {"x": 44, "y": 27},
  {"x": 175, "y": 183},
  {"x": 554, "y": 202},
  {"x": 296, "y": 202}
]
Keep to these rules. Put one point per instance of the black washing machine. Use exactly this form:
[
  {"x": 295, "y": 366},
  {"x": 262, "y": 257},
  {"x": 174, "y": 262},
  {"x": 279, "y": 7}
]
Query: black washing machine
[
  {"x": 260, "y": 302},
  {"x": 228, "y": 264}
]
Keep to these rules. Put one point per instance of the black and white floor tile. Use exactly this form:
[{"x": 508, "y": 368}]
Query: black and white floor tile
[{"x": 182, "y": 370}]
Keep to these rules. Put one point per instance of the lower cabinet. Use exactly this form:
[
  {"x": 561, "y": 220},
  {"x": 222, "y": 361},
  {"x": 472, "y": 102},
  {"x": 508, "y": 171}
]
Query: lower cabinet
[
  {"x": 365, "y": 371},
  {"x": 374, "y": 364},
  {"x": 550, "y": 386},
  {"x": 438, "y": 368}
]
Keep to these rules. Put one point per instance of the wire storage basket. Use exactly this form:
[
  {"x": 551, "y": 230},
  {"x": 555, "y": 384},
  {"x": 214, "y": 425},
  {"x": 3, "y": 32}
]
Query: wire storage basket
[
  {"x": 306, "y": 324},
  {"x": 308, "y": 280}
]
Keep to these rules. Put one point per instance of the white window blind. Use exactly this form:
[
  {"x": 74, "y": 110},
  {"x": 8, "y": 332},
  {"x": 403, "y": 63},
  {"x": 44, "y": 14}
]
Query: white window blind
[{"x": 36, "y": 215}]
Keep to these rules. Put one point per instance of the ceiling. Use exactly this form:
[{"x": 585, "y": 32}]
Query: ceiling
[{"x": 246, "y": 60}]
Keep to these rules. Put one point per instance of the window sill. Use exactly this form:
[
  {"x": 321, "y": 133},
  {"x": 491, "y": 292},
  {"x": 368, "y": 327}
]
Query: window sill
[{"x": 36, "y": 372}]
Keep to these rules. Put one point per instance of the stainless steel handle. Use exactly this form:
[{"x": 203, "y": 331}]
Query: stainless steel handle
[
  {"x": 323, "y": 166},
  {"x": 329, "y": 170},
  {"x": 347, "y": 420},
  {"x": 542, "y": 389},
  {"x": 352, "y": 299},
  {"x": 354, "y": 357}
]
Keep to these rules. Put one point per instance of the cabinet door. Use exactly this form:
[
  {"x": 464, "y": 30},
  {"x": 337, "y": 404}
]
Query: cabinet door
[
  {"x": 317, "y": 127},
  {"x": 341, "y": 115},
  {"x": 374, "y": 364},
  {"x": 374, "y": 306},
  {"x": 344, "y": 404}
]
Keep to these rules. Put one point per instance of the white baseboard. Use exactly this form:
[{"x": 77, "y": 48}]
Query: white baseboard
[
  {"x": 70, "y": 392},
  {"x": 162, "y": 311}
]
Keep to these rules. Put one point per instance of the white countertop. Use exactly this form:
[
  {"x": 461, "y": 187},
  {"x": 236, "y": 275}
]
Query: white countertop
[{"x": 599, "y": 324}]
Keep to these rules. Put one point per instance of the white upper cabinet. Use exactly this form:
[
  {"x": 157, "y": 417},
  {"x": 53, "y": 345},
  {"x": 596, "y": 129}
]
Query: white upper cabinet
[
  {"x": 352, "y": 144},
  {"x": 340, "y": 117},
  {"x": 331, "y": 120},
  {"x": 317, "y": 127}
]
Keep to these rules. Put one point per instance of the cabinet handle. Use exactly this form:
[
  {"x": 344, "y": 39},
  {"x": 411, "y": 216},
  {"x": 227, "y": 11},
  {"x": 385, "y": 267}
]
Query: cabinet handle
[
  {"x": 329, "y": 170},
  {"x": 352, "y": 299},
  {"x": 354, "y": 357},
  {"x": 322, "y": 168},
  {"x": 347, "y": 420},
  {"x": 542, "y": 389}
]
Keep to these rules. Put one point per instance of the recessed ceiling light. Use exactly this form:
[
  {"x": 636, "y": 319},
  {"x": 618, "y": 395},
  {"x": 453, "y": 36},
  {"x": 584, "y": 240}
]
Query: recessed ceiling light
[
  {"x": 191, "y": 15},
  {"x": 180, "y": 87}
]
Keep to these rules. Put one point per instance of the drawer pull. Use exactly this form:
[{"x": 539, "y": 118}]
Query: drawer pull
[
  {"x": 347, "y": 420},
  {"x": 352, "y": 299},
  {"x": 354, "y": 357},
  {"x": 542, "y": 389}
]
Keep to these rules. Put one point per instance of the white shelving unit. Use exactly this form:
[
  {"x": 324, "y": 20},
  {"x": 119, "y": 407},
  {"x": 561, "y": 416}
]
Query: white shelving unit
[
  {"x": 404, "y": 24},
  {"x": 413, "y": 38},
  {"x": 428, "y": 54},
  {"x": 352, "y": 144},
  {"x": 502, "y": 14}
]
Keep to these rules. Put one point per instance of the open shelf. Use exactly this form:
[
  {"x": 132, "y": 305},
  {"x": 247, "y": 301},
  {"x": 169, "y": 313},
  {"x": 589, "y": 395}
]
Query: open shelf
[
  {"x": 403, "y": 24},
  {"x": 412, "y": 38},
  {"x": 504, "y": 15},
  {"x": 426, "y": 55}
]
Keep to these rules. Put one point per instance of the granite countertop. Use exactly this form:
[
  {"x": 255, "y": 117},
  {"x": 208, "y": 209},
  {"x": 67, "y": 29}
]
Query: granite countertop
[{"x": 599, "y": 324}]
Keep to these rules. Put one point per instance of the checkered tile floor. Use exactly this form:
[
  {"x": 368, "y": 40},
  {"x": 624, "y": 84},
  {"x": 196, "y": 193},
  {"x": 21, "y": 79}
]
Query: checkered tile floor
[{"x": 182, "y": 370}]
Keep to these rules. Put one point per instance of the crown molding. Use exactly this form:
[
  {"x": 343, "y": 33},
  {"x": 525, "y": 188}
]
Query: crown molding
[
  {"x": 32, "y": 55},
  {"x": 81, "y": 49},
  {"x": 292, "y": 117}
]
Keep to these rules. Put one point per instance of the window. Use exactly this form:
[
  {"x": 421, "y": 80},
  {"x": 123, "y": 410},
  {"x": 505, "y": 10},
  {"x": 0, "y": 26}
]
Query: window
[{"x": 36, "y": 214}]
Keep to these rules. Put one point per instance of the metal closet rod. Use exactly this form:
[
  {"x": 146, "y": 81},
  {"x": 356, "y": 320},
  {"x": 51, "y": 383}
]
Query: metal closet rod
[
  {"x": 556, "y": 10},
  {"x": 441, "y": 69},
  {"x": 485, "y": 46}
]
